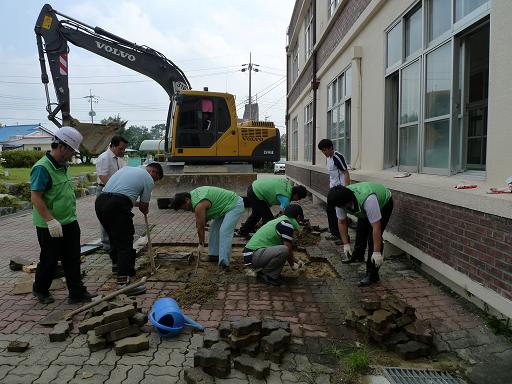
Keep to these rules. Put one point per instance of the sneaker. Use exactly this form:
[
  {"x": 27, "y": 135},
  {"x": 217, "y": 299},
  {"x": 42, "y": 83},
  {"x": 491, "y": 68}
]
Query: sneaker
[
  {"x": 268, "y": 279},
  {"x": 223, "y": 267},
  {"x": 84, "y": 297},
  {"x": 43, "y": 298}
]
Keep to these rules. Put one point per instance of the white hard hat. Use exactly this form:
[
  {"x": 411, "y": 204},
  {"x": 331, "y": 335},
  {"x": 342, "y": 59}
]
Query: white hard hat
[
  {"x": 69, "y": 136},
  {"x": 509, "y": 180}
]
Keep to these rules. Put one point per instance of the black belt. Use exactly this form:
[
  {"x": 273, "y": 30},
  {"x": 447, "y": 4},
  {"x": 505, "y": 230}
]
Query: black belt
[
  {"x": 113, "y": 194},
  {"x": 101, "y": 185}
]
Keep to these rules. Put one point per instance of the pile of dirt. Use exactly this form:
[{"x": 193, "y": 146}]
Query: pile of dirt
[
  {"x": 307, "y": 238},
  {"x": 198, "y": 291}
]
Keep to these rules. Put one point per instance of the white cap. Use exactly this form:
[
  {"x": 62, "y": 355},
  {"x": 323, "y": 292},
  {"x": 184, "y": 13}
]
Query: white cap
[
  {"x": 69, "y": 136},
  {"x": 509, "y": 180}
]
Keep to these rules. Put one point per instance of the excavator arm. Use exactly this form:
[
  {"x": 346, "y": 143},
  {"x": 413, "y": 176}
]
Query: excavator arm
[{"x": 57, "y": 33}]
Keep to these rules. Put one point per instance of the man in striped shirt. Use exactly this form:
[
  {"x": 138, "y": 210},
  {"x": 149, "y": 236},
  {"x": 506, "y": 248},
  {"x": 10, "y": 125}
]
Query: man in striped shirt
[
  {"x": 338, "y": 175},
  {"x": 272, "y": 245}
]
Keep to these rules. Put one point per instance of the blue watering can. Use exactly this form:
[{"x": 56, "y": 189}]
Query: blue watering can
[{"x": 167, "y": 318}]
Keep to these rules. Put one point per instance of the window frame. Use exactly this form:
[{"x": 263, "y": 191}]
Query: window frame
[{"x": 308, "y": 132}]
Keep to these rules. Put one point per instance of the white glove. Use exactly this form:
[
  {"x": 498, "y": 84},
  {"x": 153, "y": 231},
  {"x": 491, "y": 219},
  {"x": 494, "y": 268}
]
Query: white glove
[
  {"x": 377, "y": 258},
  {"x": 55, "y": 228},
  {"x": 347, "y": 249}
]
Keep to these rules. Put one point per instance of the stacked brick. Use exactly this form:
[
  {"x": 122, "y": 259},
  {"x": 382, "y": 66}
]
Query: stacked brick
[
  {"x": 246, "y": 345},
  {"x": 393, "y": 324}
]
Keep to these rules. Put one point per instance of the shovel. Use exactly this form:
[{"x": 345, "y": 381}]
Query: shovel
[
  {"x": 57, "y": 316},
  {"x": 150, "y": 246}
]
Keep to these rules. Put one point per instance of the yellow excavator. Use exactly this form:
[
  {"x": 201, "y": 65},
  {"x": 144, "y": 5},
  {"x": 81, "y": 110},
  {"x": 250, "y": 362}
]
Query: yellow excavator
[{"x": 201, "y": 126}]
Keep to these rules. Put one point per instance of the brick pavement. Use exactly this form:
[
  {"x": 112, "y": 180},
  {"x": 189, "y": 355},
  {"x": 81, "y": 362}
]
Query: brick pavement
[{"x": 314, "y": 308}]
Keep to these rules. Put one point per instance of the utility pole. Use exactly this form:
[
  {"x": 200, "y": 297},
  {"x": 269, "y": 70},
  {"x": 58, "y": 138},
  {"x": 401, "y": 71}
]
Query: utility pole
[
  {"x": 250, "y": 67},
  {"x": 92, "y": 99}
]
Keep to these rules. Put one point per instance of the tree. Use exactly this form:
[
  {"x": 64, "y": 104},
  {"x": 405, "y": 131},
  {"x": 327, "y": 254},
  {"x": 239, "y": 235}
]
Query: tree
[
  {"x": 135, "y": 135},
  {"x": 157, "y": 131},
  {"x": 283, "y": 145}
]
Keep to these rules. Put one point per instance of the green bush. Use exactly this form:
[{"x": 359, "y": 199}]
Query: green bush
[
  {"x": 21, "y": 159},
  {"x": 24, "y": 191}
]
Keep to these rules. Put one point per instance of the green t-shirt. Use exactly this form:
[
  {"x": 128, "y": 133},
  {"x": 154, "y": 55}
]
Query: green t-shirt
[
  {"x": 268, "y": 188},
  {"x": 222, "y": 200}
]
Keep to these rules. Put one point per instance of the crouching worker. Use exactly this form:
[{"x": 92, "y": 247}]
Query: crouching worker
[
  {"x": 372, "y": 204},
  {"x": 54, "y": 216},
  {"x": 224, "y": 208},
  {"x": 263, "y": 194},
  {"x": 114, "y": 210},
  {"x": 272, "y": 245}
]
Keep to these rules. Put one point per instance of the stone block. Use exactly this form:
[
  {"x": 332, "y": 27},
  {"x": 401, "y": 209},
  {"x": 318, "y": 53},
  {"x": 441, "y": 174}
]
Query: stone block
[
  {"x": 95, "y": 343},
  {"x": 119, "y": 334},
  {"x": 224, "y": 329},
  {"x": 197, "y": 376},
  {"x": 100, "y": 308},
  {"x": 277, "y": 341},
  {"x": 23, "y": 286},
  {"x": 270, "y": 325},
  {"x": 118, "y": 313},
  {"x": 215, "y": 362},
  {"x": 370, "y": 305},
  {"x": 382, "y": 334},
  {"x": 404, "y": 320},
  {"x": 394, "y": 303},
  {"x": 139, "y": 319},
  {"x": 109, "y": 327},
  {"x": 211, "y": 336},
  {"x": 60, "y": 331},
  {"x": 17, "y": 263},
  {"x": 222, "y": 345},
  {"x": 18, "y": 346},
  {"x": 379, "y": 319},
  {"x": 420, "y": 331},
  {"x": 275, "y": 357},
  {"x": 412, "y": 350},
  {"x": 394, "y": 339},
  {"x": 253, "y": 367},
  {"x": 243, "y": 341},
  {"x": 89, "y": 324},
  {"x": 251, "y": 350},
  {"x": 121, "y": 301},
  {"x": 245, "y": 326},
  {"x": 131, "y": 344}
]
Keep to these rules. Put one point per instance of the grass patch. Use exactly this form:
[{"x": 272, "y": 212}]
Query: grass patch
[
  {"x": 353, "y": 362},
  {"x": 22, "y": 175},
  {"x": 499, "y": 326}
]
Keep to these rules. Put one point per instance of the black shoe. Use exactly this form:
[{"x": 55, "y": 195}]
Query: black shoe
[
  {"x": 223, "y": 267},
  {"x": 43, "y": 298},
  {"x": 213, "y": 258},
  {"x": 351, "y": 260},
  {"x": 114, "y": 268},
  {"x": 268, "y": 279},
  {"x": 83, "y": 298},
  {"x": 368, "y": 280}
]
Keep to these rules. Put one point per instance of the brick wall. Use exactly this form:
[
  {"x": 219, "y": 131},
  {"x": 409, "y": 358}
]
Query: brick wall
[{"x": 304, "y": 81}]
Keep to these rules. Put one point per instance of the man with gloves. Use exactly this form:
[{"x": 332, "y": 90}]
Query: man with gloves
[
  {"x": 372, "y": 204},
  {"x": 54, "y": 215},
  {"x": 272, "y": 245}
]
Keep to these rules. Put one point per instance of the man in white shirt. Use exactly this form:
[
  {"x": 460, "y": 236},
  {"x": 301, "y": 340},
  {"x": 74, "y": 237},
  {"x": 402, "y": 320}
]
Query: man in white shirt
[
  {"x": 338, "y": 175},
  {"x": 107, "y": 164}
]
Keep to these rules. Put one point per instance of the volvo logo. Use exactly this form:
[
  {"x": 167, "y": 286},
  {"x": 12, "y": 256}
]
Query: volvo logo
[{"x": 115, "y": 51}]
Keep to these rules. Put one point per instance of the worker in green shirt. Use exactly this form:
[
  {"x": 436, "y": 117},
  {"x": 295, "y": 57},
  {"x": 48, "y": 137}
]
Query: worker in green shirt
[
  {"x": 372, "y": 204},
  {"x": 272, "y": 245},
  {"x": 266, "y": 192},
  {"x": 224, "y": 208}
]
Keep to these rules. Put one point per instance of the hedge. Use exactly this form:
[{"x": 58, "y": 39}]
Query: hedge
[{"x": 21, "y": 159}]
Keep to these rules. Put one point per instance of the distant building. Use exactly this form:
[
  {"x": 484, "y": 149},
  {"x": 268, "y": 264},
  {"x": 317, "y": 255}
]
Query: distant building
[
  {"x": 421, "y": 89},
  {"x": 29, "y": 137},
  {"x": 251, "y": 112}
]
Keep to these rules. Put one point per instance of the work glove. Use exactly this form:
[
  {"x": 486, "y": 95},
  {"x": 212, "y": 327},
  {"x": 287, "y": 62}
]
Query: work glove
[
  {"x": 378, "y": 259},
  {"x": 347, "y": 249},
  {"x": 55, "y": 228}
]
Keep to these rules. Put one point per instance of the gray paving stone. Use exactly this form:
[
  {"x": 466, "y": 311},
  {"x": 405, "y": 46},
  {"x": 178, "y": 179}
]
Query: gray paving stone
[
  {"x": 161, "y": 357},
  {"x": 111, "y": 358},
  {"x": 49, "y": 375},
  {"x": 302, "y": 363},
  {"x": 32, "y": 370},
  {"x": 155, "y": 370},
  {"x": 96, "y": 357},
  {"x": 14, "y": 379},
  {"x": 4, "y": 370},
  {"x": 12, "y": 359},
  {"x": 176, "y": 358},
  {"x": 118, "y": 374},
  {"x": 71, "y": 360},
  {"x": 135, "y": 374},
  {"x": 132, "y": 359},
  {"x": 78, "y": 341},
  {"x": 67, "y": 373},
  {"x": 92, "y": 374},
  {"x": 150, "y": 379},
  {"x": 75, "y": 352},
  {"x": 42, "y": 356}
]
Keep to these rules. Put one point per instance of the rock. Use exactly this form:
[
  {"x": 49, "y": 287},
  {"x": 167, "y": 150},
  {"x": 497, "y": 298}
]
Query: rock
[
  {"x": 109, "y": 327},
  {"x": 412, "y": 350},
  {"x": 18, "y": 346},
  {"x": 211, "y": 336},
  {"x": 95, "y": 343},
  {"x": 275, "y": 357},
  {"x": 420, "y": 331},
  {"x": 253, "y": 367},
  {"x": 215, "y": 362},
  {"x": 17, "y": 263},
  {"x": 276, "y": 341},
  {"x": 251, "y": 350},
  {"x": 90, "y": 324},
  {"x": 121, "y": 301},
  {"x": 370, "y": 305},
  {"x": 119, "y": 334},
  {"x": 100, "y": 308},
  {"x": 245, "y": 326},
  {"x": 396, "y": 338},
  {"x": 197, "y": 376},
  {"x": 118, "y": 314},
  {"x": 224, "y": 329},
  {"x": 270, "y": 325},
  {"x": 60, "y": 331},
  {"x": 132, "y": 344},
  {"x": 23, "y": 285},
  {"x": 379, "y": 319},
  {"x": 139, "y": 319},
  {"x": 243, "y": 341},
  {"x": 404, "y": 320},
  {"x": 222, "y": 345}
]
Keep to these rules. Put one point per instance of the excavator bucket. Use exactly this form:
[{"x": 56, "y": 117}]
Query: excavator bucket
[{"x": 96, "y": 136}]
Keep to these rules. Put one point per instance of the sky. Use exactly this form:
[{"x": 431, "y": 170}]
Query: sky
[{"x": 209, "y": 40}]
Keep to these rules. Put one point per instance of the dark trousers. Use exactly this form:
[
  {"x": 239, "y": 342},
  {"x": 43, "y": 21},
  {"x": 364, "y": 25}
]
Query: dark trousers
[
  {"x": 364, "y": 237},
  {"x": 260, "y": 211},
  {"x": 333, "y": 221},
  {"x": 67, "y": 250},
  {"x": 114, "y": 212}
]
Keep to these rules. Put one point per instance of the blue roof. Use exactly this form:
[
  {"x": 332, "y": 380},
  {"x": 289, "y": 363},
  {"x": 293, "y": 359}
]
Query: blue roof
[{"x": 8, "y": 131}]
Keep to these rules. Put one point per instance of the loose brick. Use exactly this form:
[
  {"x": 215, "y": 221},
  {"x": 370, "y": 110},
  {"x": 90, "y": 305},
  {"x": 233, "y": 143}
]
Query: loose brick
[
  {"x": 139, "y": 319},
  {"x": 253, "y": 367},
  {"x": 245, "y": 326},
  {"x": 119, "y": 334},
  {"x": 60, "y": 331},
  {"x": 89, "y": 324},
  {"x": 121, "y": 300},
  {"x": 379, "y": 319},
  {"x": 101, "y": 308},
  {"x": 118, "y": 314},
  {"x": 215, "y": 362},
  {"x": 270, "y": 325},
  {"x": 197, "y": 376},
  {"x": 412, "y": 350},
  {"x": 95, "y": 343},
  {"x": 239, "y": 342},
  {"x": 251, "y": 350},
  {"x": 18, "y": 346},
  {"x": 420, "y": 331},
  {"x": 224, "y": 329},
  {"x": 211, "y": 336},
  {"x": 109, "y": 327},
  {"x": 275, "y": 357},
  {"x": 131, "y": 345},
  {"x": 221, "y": 345},
  {"x": 276, "y": 341}
]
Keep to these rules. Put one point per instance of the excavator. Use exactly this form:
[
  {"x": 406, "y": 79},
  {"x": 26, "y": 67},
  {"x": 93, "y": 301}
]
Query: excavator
[{"x": 201, "y": 126}]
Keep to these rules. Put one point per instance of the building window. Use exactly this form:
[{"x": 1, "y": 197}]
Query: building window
[
  {"x": 413, "y": 26},
  {"x": 308, "y": 132},
  {"x": 438, "y": 18},
  {"x": 36, "y": 148},
  {"x": 332, "y": 7},
  {"x": 294, "y": 153},
  {"x": 394, "y": 45},
  {"x": 339, "y": 92},
  {"x": 295, "y": 63},
  {"x": 465, "y": 7},
  {"x": 308, "y": 46}
]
